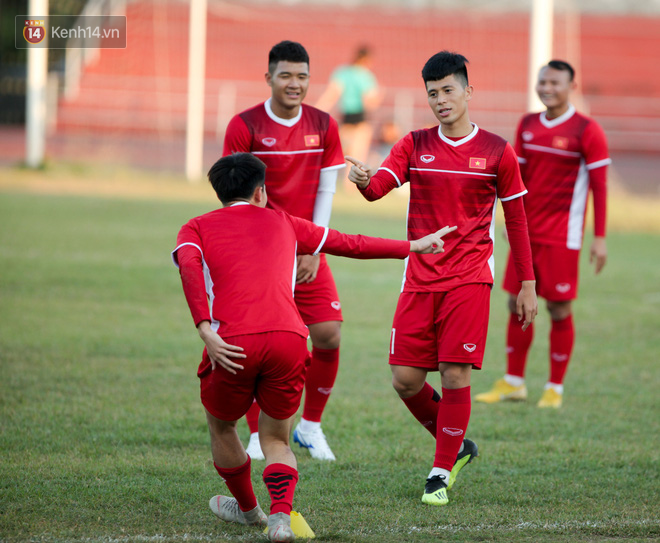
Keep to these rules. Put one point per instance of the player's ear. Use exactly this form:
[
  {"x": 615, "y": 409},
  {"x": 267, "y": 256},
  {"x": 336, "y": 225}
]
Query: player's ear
[
  {"x": 468, "y": 92},
  {"x": 269, "y": 79}
]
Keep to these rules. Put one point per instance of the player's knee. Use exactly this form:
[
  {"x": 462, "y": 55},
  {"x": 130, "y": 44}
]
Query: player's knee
[
  {"x": 511, "y": 304},
  {"x": 327, "y": 336},
  {"x": 405, "y": 389},
  {"x": 559, "y": 310}
]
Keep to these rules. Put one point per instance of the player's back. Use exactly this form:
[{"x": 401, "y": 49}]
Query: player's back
[{"x": 249, "y": 258}]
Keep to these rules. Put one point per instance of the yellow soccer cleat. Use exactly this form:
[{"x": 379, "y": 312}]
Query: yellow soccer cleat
[
  {"x": 298, "y": 526},
  {"x": 435, "y": 491},
  {"x": 550, "y": 398},
  {"x": 501, "y": 392}
]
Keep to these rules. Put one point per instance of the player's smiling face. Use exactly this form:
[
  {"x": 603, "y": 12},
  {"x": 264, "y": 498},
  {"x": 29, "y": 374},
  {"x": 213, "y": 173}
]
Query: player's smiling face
[
  {"x": 554, "y": 87},
  {"x": 289, "y": 82},
  {"x": 448, "y": 99}
]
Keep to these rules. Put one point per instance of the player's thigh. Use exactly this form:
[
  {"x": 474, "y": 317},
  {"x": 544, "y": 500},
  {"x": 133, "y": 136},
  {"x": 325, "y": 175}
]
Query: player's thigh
[
  {"x": 318, "y": 301},
  {"x": 462, "y": 325},
  {"x": 282, "y": 374},
  {"x": 413, "y": 338}
]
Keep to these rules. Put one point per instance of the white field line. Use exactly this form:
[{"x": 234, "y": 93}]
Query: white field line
[{"x": 400, "y": 530}]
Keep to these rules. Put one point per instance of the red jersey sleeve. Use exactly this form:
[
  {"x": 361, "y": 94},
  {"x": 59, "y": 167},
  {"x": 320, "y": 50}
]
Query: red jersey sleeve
[
  {"x": 333, "y": 156},
  {"x": 594, "y": 146},
  {"x": 516, "y": 229},
  {"x": 393, "y": 172},
  {"x": 596, "y": 157},
  {"x": 509, "y": 181},
  {"x": 598, "y": 185},
  {"x": 189, "y": 259},
  {"x": 238, "y": 138},
  {"x": 312, "y": 239}
]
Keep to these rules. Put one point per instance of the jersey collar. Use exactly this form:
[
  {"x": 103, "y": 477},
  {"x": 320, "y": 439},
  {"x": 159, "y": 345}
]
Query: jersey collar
[
  {"x": 475, "y": 131},
  {"x": 561, "y": 119},
  {"x": 284, "y": 122}
]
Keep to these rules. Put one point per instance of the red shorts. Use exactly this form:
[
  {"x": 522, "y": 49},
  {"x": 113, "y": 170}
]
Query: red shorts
[
  {"x": 318, "y": 301},
  {"x": 556, "y": 271},
  {"x": 434, "y": 327},
  {"x": 273, "y": 374}
]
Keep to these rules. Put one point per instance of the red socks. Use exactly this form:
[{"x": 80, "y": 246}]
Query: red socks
[
  {"x": 424, "y": 407},
  {"x": 239, "y": 484},
  {"x": 252, "y": 417},
  {"x": 453, "y": 417},
  {"x": 562, "y": 339},
  {"x": 517, "y": 346},
  {"x": 320, "y": 379},
  {"x": 281, "y": 481}
]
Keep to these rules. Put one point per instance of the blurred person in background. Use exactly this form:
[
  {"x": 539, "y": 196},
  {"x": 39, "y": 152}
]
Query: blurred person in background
[
  {"x": 301, "y": 147},
  {"x": 354, "y": 89},
  {"x": 562, "y": 154}
]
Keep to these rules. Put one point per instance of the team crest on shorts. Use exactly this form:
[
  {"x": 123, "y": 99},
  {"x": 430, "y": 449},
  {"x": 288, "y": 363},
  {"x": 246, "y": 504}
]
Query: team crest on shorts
[
  {"x": 469, "y": 347},
  {"x": 336, "y": 305},
  {"x": 563, "y": 287}
]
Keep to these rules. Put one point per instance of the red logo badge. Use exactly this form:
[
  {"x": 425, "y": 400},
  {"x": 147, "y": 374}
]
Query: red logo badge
[
  {"x": 560, "y": 143},
  {"x": 34, "y": 31},
  {"x": 478, "y": 163}
]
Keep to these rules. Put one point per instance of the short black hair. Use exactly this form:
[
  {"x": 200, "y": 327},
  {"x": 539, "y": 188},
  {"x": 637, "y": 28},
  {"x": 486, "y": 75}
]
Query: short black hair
[
  {"x": 443, "y": 64},
  {"x": 562, "y": 66},
  {"x": 289, "y": 51},
  {"x": 236, "y": 176}
]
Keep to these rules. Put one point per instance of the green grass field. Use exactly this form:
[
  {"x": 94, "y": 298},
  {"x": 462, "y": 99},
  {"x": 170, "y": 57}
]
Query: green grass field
[{"x": 103, "y": 438}]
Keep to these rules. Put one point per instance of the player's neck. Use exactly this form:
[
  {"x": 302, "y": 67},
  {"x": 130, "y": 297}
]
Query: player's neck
[
  {"x": 459, "y": 129},
  {"x": 557, "y": 111},
  {"x": 283, "y": 112}
]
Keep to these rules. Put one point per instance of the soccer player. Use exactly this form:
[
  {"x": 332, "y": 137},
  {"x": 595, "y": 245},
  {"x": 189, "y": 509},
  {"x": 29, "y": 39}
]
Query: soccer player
[
  {"x": 241, "y": 259},
  {"x": 562, "y": 155},
  {"x": 301, "y": 147},
  {"x": 456, "y": 173}
]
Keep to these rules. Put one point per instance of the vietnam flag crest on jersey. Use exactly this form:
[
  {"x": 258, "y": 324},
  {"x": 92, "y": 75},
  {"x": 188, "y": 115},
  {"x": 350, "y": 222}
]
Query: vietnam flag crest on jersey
[
  {"x": 478, "y": 163},
  {"x": 560, "y": 143},
  {"x": 312, "y": 140}
]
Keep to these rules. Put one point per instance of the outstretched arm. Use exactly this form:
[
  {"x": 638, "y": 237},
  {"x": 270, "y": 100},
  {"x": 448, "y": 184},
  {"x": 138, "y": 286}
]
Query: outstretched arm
[{"x": 598, "y": 249}]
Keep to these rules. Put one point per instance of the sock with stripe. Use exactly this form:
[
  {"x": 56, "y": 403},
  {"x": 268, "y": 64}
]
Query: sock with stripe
[
  {"x": 518, "y": 343},
  {"x": 562, "y": 339},
  {"x": 453, "y": 419},
  {"x": 239, "y": 483},
  {"x": 320, "y": 378},
  {"x": 424, "y": 407},
  {"x": 280, "y": 481}
]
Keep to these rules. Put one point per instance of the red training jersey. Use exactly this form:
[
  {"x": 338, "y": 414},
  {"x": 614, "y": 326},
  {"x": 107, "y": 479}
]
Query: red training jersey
[
  {"x": 294, "y": 150},
  {"x": 555, "y": 158},
  {"x": 452, "y": 183},
  {"x": 241, "y": 260}
]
